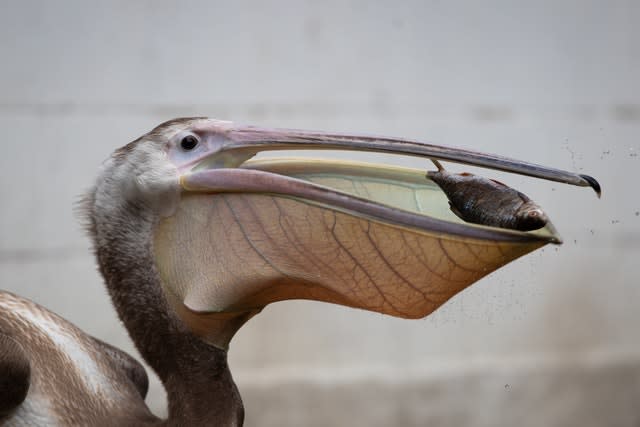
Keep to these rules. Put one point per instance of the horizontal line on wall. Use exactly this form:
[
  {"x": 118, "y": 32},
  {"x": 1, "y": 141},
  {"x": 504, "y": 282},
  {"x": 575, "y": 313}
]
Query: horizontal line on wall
[
  {"x": 436, "y": 369},
  {"x": 620, "y": 112},
  {"x": 42, "y": 254}
]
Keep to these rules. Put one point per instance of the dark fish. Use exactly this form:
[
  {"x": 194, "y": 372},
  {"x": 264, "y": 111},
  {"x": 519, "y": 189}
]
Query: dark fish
[{"x": 488, "y": 202}]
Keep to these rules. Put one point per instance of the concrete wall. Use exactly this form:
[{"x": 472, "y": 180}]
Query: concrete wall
[{"x": 550, "y": 340}]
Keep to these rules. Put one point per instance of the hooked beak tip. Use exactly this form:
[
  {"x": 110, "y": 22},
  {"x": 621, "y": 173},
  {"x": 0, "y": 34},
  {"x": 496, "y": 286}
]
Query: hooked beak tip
[{"x": 593, "y": 183}]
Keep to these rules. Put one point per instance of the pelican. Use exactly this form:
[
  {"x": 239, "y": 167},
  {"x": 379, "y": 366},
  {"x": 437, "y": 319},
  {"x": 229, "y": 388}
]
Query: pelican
[
  {"x": 52, "y": 373},
  {"x": 194, "y": 235}
]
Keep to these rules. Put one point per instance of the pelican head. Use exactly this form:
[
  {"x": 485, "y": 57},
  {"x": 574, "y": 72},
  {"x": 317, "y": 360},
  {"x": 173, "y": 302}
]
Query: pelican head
[{"x": 226, "y": 235}]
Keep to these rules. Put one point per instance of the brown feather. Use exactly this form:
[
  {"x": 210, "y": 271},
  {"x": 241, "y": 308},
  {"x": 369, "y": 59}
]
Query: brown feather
[{"x": 71, "y": 377}]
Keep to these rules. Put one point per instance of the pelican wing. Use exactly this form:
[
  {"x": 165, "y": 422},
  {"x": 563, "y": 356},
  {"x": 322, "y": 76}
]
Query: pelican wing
[{"x": 15, "y": 374}]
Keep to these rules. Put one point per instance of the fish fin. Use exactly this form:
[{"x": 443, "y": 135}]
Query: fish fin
[
  {"x": 524, "y": 197},
  {"x": 499, "y": 183},
  {"x": 15, "y": 374},
  {"x": 456, "y": 211}
]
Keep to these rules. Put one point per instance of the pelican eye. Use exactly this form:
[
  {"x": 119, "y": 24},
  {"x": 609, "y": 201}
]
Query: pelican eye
[{"x": 189, "y": 142}]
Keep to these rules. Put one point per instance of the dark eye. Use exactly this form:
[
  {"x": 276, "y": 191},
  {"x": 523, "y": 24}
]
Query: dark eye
[{"x": 189, "y": 142}]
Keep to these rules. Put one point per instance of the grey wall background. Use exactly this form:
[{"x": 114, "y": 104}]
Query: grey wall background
[{"x": 551, "y": 339}]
